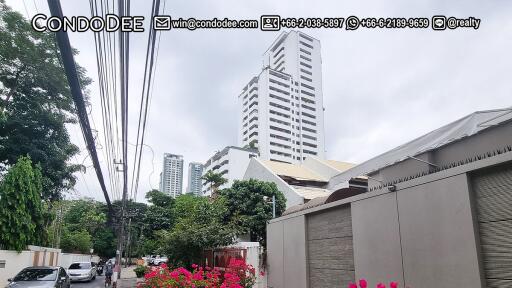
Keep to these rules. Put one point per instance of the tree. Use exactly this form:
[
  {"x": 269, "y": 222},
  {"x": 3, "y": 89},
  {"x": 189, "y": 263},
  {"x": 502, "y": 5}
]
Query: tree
[
  {"x": 105, "y": 242},
  {"x": 199, "y": 225},
  {"x": 159, "y": 199},
  {"x": 248, "y": 201},
  {"x": 215, "y": 180},
  {"x": 76, "y": 241},
  {"x": 83, "y": 225},
  {"x": 21, "y": 208},
  {"x": 85, "y": 214},
  {"x": 35, "y": 103}
]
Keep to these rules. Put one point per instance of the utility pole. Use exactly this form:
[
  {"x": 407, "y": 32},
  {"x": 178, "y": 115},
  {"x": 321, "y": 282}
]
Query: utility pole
[
  {"x": 120, "y": 236},
  {"x": 127, "y": 254},
  {"x": 273, "y": 206}
]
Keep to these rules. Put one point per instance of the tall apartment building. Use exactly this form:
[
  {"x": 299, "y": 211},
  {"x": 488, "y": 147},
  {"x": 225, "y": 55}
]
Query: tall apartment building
[
  {"x": 231, "y": 163},
  {"x": 195, "y": 172},
  {"x": 171, "y": 178},
  {"x": 282, "y": 111}
]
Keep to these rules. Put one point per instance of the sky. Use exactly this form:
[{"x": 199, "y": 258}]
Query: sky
[{"x": 381, "y": 87}]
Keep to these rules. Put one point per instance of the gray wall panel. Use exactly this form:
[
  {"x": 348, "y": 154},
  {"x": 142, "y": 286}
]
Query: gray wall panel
[
  {"x": 377, "y": 253},
  {"x": 330, "y": 248},
  {"x": 275, "y": 255},
  {"x": 295, "y": 268},
  {"x": 438, "y": 236},
  {"x": 492, "y": 190}
]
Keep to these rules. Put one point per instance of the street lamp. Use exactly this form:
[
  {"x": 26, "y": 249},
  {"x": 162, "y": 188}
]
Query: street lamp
[{"x": 265, "y": 198}]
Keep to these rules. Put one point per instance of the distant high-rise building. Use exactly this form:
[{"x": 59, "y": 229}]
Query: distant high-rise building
[
  {"x": 282, "y": 111},
  {"x": 171, "y": 178},
  {"x": 195, "y": 171}
]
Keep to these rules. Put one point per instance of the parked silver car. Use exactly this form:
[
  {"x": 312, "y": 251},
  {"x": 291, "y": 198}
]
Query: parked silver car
[
  {"x": 40, "y": 277},
  {"x": 82, "y": 271}
]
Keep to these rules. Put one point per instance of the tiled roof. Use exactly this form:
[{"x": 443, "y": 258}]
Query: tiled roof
[{"x": 296, "y": 171}]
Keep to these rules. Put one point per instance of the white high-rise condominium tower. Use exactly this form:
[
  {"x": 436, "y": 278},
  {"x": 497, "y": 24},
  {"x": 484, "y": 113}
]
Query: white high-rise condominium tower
[
  {"x": 282, "y": 111},
  {"x": 195, "y": 172},
  {"x": 171, "y": 178}
]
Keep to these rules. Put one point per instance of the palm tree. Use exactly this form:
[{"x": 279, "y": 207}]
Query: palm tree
[{"x": 215, "y": 180}]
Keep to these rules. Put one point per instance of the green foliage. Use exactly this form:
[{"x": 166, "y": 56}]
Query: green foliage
[
  {"x": 76, "y": 241},
  {"x": 159, "y": 199},
  {"x": 249, "y": 201},
  {"x": 85, "y": 214},
  {"x": 199, "y": 225},
  {"x": 21, "y": 208},
  {"x": 140, "y": 270},
  {"x": 35, "y": 103},
  {"x": 157, "y": 218},
  {"x": 215, "y": 180},
  {"x": 104, "y": 242},
  {"x": 149, "y": 246},
  {"x": 159, "y": 215},
  {"x": 84, "y": 226}
]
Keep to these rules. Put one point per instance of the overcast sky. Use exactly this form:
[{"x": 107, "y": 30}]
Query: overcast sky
[{"x": 381, "y": 87}]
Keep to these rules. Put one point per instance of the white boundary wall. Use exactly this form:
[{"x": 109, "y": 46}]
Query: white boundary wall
[
  {"x": 253, "y": 258},
  {"x": 12, "y": 262}
]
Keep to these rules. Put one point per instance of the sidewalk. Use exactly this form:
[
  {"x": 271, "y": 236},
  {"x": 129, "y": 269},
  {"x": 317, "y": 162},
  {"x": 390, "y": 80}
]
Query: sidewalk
[{"x": 128, "y": 278}]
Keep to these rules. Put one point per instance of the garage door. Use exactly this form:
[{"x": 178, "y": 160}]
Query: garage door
[
  {"x": 330, "y": 249},
  {"x": 493, "y": 198}
]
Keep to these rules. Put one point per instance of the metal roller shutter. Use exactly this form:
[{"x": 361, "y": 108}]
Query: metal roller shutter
[
  {"x": 330, "y": 248},
  {"x": 493, "y": 199}
]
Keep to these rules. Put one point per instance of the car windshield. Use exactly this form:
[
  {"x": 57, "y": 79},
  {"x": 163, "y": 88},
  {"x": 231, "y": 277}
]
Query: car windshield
[
  {"x": 37, "y": 275},
  {"x": 80, "y": 266}
]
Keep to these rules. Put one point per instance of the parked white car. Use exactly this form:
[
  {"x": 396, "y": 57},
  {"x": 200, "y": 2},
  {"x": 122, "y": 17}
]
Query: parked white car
[
  {"x": 159, "y": 260},
  {"x": 82, "y": 271}
]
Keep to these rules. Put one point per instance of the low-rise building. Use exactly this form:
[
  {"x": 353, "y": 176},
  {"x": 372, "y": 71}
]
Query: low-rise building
[
  {"x": 231, "y": 163},
  {"x": 302, "y": 182}
]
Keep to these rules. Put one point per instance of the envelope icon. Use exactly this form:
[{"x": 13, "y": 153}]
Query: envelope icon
[{"x": 162, "y": 22}]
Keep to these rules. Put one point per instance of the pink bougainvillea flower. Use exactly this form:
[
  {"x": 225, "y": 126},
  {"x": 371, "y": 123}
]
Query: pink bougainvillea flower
[
  {"x": 393, "y": 285},
  {"x": 380, "y": 285},
  {"x": 352, "y": 285},
  {"x": 363, "y": 283}
]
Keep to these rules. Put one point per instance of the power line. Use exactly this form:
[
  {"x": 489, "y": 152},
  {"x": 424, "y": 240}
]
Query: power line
[
  {"x": 144, "y": 103},
  {"x": 124, "y": 52},
  {"x": 26, "y": 10},
  {"x": 78, "y": 98},
  {"x": 107, "y": 93}
]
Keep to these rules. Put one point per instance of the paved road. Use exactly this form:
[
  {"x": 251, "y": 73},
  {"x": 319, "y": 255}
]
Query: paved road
[{"x": 99, "y": 282}]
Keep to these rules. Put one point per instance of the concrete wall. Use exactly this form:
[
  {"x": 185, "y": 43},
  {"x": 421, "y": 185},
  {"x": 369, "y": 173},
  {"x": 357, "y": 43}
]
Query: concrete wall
[
  {"x": 286, "y": 254},
  {"x": 437, "y": 234},
  {"x": 14, "y": 263},
  {"x": 275, "y": 254},
  {"x": 66, "y": 259},
  {"x": 253, "y": 258},
  {"x": 377, "y": 251},
  {"x": 37, "y": 256},
  {"x": 422, "y": 235},
  {"x": 330, "y": 248}
]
